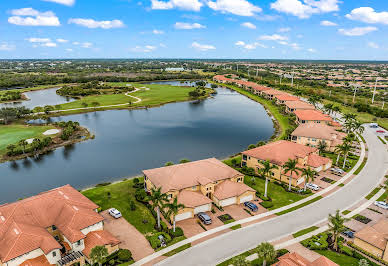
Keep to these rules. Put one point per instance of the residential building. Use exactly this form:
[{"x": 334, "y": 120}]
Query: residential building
[
  {"x": 311, "y": 134},
  {"x": 279, "y": 152},
  {"x": 222, "y": 79},
  {"x": 294, "y": 259},
  {"x": 59, "y": 226},
  {"x": 292, "y": 106},
  {"x": 312, "y": 116},
  {"x": 198, "y": 184},
  {"x": 283, "y": 98},
  {"x": 270, "y": 94},
  {"x": 374, "y": 239}
]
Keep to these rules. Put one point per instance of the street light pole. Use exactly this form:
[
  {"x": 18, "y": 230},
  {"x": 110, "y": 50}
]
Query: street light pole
[
  {"x": 257, "y": 71},
  {"x": 374, "y": 91},
  {"x": 355, "y": 90},
  {"x": 292, "y": 79}
]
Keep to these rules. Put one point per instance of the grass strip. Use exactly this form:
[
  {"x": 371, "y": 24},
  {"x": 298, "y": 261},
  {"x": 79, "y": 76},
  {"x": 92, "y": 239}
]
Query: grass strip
[
  {"x": 383, "y": 141},
  {"x": 235, "y": 227},
  {"x": 177, "y": 250},
  {"x": 341, "y": 185},
  {"x": 361, "y": 166},
  {"x": 305, "y": 231},
  {"x": 383, "y": 197},
  {"x": 299, "y": 206},
  {"x": 346, "y": 212},
  {"x": 372, "y": 193},
  {"x": 362, "y": 138}
]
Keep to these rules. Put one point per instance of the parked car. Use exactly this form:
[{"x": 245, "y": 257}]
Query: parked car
[
  {"x": 205, "y": 218},
  {"x": 337, "y": 171},
  {"x": 114, "y": 213},
  {"x": 373, "y": 126},
  {"x": 250, "y": 205},
  {"x": 348, "y": 234},
  {"x": 312, "y": 186},
  {"x": 382, "y": 204}
]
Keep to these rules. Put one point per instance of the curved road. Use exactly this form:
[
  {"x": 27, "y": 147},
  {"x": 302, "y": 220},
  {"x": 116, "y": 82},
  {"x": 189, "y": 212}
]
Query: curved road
[{"x": 235, "y": 242}]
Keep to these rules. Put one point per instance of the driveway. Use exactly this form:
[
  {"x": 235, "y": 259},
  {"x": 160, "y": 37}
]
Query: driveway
[
  {"x": 128, "y": 235},
  {"x": 235, "y": 242}
]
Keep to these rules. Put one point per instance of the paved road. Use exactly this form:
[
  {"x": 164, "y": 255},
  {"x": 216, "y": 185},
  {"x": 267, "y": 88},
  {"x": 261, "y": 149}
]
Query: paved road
[{"x": 227, "y": 245}]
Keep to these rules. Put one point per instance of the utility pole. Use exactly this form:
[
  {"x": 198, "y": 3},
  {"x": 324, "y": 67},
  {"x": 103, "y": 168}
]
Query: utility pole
[
  {"x": 356, "y": 86},
  {"x": 237, "y": 67},
  {"x": 280, "y": 79},
  {"x": 292, "y": 79},
  {"x": 248, "y": 72},
  {"x": 374, "y": 91},
  {"x": 257, "y": 71}
]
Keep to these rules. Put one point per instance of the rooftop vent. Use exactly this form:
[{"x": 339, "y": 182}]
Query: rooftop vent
[
  {"x": 75, "y": 208},
  {"x": 16, "y": 231},
  {"x": 2, "y": 218},
  {"x": 66, "y": 197}
]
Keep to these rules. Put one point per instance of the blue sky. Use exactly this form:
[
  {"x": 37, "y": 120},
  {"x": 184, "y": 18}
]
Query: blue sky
[{"x": 282, "y": 29}]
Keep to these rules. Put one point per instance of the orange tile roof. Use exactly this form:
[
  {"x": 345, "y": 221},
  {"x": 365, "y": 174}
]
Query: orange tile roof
[
  {"x": 228, "y": 189},
  {"x": 376, "y": 235},
  {"x": 186, "y": 175},
  {"x": 38, "y": 261},
  {"x": 98, "y": 238},
  {"x": 279, "y": 152},
  {"x": 23, "y": 224},
  {"x": 273, "y": 92},
  {"x": 315, "y": 160},
  {"x": 323, "y": 261},
  {"x": 312, "y": 115},
  {"x": 318, "y": 131},
  {"x": 192, "y": 199},
  {"x": 294, "y": 259},
  {"x": 286, "y": 97},
  {"x": 299, "y": 105}
]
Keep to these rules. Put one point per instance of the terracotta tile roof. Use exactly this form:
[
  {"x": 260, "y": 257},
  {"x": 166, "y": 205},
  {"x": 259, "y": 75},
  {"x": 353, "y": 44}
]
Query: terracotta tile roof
[
  {"x": 186, "y": 175},
  {"x": 98, "y": 238},
  {"x": 38, "y": 261},
  {"x": 273, "y": 92},
  {"x": 192, "y": 199},
  {"x": 279, "y": 152},
  {"x": 323, "y": 261},
  {"x": 313, "y": 115},
  {"x": 376, "y": 235},
  {"x": 292, "y": 259},
  {"x": 258, "y": 87},
  {"x": 315, "y": 160},
  {"x": 318, "y": 131},
  {"x": 286, "y": 97},
  {"x": 228, "y": 189},
  {"x": 299, "y": 105},
  {"x": 23, "y": 224}
]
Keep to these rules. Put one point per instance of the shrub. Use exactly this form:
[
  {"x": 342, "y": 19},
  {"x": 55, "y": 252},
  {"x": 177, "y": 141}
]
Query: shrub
[
  {"x": 124, "y": 255},
  {"x": 141, "y": 195},
  {"x": 266, "y": 204},
  {"x": 112, "y": 262},
  {"x": 132, "y": 205},
  {"x": 178, "y": 232},
  {"x": 281, "y": 252},
  {"x": 155, "y": 242},
  {"x": 136, "y": 180},
  {"x": 318, "y": 242}
]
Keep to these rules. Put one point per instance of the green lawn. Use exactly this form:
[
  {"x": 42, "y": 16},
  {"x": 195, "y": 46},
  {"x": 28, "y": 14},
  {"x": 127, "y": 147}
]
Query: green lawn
[
  {"x": 177, "y": 250},
  {"x": 120, "y": 196},
  {"x": 372, "y": 193},
  {"x": 11, "y": 134},
  {"x": 299, "y": 206},
  {"x": 279, "y": 196},
  {"x": 384, "y": 196},
  {"x": 351, "y": 160},
  {"x": 305, "y": 231},
  {"x": 340, "y": 259}
]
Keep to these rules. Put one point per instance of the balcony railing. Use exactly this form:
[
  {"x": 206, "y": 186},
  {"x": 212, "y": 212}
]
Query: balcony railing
[{"x": 69, "y": 258}]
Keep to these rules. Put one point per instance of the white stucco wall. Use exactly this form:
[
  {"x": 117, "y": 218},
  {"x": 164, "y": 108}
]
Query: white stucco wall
[
  {"x": 95, "y": 227},
  {"x": 30, "y": 255}
]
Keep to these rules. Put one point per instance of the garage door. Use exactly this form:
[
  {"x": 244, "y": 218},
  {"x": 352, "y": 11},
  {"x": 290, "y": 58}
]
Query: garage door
[
  {"x": 183, "y": 216},
  {"x": 203, "y": 208},
  {"x": 246, "y": 198},
  {"x": 227, "y": 202}
]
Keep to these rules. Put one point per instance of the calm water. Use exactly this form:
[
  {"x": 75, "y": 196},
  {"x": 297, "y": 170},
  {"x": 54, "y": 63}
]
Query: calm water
[
  {"x": 40, "y": 98},
  {"x": 128, "y": 141}
]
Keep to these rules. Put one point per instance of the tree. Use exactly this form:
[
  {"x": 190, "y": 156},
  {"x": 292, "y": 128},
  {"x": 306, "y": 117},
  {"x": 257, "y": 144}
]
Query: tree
[
  {"x": 291, "y": 168},
  {"x": 35, "y": 144},
  {"x": 328, "y": 108},
  {"x": 23, "y": 143},
  {"x": 314, "y": 100},
  {"x": 84, "y": 104},
  {"x": 95, "y": 104},
  {"x": 11, "y": 148},
  {"x": 358, "y": 127},
  {"x": 363, "y": 262},
  {"x": 168, "y": 164},
  {"x": 239, "y": 261},
  {"x": 266, "y": 171},
  {"x": 345, "y": 148},
  {"x": 184, "y": 161},
  {"x": 158, "y": 199},
  {"x": 251, "y": 146},
  {"x": 336, "y": 227},
  {"x": 98, "y": 254},
  {"x": 309, "y": 174},
  {"x": 47, "y": 109},
  {"x": 322, "y": 146},
  {"x": 266, "y": 252},
  {"x": 173, "y": 208}
]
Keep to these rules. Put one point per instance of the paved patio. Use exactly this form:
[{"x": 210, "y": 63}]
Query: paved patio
[{"x": 128, "y": 235}]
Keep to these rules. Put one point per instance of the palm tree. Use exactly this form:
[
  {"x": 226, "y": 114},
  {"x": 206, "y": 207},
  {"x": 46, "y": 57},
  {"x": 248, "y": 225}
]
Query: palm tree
[
  {"x": 346, "y": 148},
  {"x": 173, "y": 209},
  {"x": 23, "y": 143},
  {"x": 322, "y": 146},
  {"x": 290, "y": 167},
  {"x": 98, "y": 254},
  {"x": 358, "y": 127},
  {"x": 158, "y": 199},
  {"x": 328, "y": 108},
  {"x": 349, "y": 117},
  {"x": 266, "y": 171},
  {"x": 338, "y": 150},
  {"x": 266, "y": 252},
  {"x": 35, "y": 144},
  {"x": 336, "y": 227},
  {"x": 336, "y": 109},
  {"x": 240, "y": 261},
  {"x": 309, "y": 174}
]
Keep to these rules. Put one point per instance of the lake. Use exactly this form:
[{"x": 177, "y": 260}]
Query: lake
[
  {"x": 128, "y": 141},
  {"x": 40, "y": 98}
]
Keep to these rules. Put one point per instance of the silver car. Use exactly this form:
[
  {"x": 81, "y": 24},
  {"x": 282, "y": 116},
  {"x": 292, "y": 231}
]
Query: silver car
[
  {"x": 114, "y": 213},
  {"x": 382, "y": 204},
  {"x": 312, "y": 186}
]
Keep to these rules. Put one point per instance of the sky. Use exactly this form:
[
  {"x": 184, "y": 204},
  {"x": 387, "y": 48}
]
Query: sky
[{"x": 220, "y": 29}]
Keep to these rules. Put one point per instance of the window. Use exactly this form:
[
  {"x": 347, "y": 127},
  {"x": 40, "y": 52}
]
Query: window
[
  {"x": 169, "y": 196},
  {"x": 273, "y": 174},
  {"x": 79, "y": 243},
  {"x": 314, "y": 140},
  {"x": 54, "y": 254},
  {"x": 244, "y": 163},
  {"x": 244, "y": 157},
  {"x": 53, "y": 227},
  {"x": 194, "y": 187}
]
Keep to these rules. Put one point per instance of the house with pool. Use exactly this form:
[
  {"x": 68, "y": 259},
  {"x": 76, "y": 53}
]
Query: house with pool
[
  {"x": 279, "y": 152},
  {"x": 199, "y": 184}
]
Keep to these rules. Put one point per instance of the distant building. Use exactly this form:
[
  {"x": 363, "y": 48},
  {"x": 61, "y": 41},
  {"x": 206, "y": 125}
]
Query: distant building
[
  {"x": 292, "y": 106},
  {"x": 312, "y": 116}
]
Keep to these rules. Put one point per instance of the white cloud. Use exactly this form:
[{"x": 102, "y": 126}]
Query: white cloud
[
  {"x": 62, "y": 41},
  {"x": 273, "y": 37},
  {"x": 49, "y": 44},
  {"x": 202, "y": 47},
  {"x": 188, "y": 26},
  {"x": 93, "y": 24},
  {"x": 192, "y": 5},
  {"x": 368, "y": 15},
  {"x": 373, "y": 45},
  {"x": 143, "y": 49},
  {"x": 358, "y": 31},
  {"x": 31, "y": 17},
  {"x": 163, "y": 45},
  {"x": 86, "y": 45},
  {"x": 305, "y": 8},
  {"x": 158, "y": 32},
  {"x": 38, "y": 40},
  {"x": 295, "y": 46},
  {"x": 311, "y": 50},
  {"x": 236, "y": 7},
  {"x": 76, "y": 43},
  {"x": 284, "y": 29},
  {"x": 63, "y": 2},
  {"x": 44, "y": 42},
  {"x": 328, "y": 23},
  {"x": 69, "y": 50},
  {"x": 250, "y": 46},
  {"x": 249, "y": 25},
  {"x": 6, "y": 47}
]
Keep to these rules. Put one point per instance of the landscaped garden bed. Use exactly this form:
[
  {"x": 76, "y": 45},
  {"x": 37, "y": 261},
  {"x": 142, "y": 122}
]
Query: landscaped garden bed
[
  {"x": 226, "y": 218},
  {"x": 361, "y": 218},
  {"x": 328, "y": 180}
]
